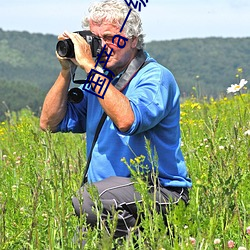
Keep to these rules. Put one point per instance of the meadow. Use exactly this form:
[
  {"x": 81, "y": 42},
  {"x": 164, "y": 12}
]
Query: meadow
[{"x": 40, "y": 172}]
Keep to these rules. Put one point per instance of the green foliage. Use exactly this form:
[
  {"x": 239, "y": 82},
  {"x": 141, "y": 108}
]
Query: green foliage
[
  {"x": 202, "y": 67},
  {"x": 40, "y": 172},
  {"x": 216, "y": 146},
  {"x": 208, "y": 62},
  {"x": 36, "y": 184},
  {"x": 28, "y": 58},
  {"x": 28, "y": 68},
  {"x": 14, "y": 95}
]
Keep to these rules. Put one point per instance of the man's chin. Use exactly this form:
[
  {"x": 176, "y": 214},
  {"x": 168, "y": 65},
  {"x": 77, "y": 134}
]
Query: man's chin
[{"x": 103, "y": 62}]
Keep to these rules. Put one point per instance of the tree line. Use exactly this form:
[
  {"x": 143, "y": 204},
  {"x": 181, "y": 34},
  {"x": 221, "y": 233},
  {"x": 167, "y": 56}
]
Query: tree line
[{"x": 202, "y": 67}]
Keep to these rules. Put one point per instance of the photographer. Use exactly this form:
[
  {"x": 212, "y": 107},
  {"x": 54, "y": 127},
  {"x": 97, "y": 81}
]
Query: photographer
[{"x": 145, "y": 106}]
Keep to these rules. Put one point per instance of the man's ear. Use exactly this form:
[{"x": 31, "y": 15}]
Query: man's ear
[{"x": 134, "y": 42}]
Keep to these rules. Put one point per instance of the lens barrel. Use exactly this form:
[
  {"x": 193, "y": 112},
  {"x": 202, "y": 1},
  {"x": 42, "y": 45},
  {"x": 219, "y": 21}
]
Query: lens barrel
[
  {"x": 65, "y": 48},
  {"x": 75, "y": 95}
]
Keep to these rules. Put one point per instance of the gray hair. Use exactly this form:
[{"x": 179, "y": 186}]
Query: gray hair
[{"x": 115, "y": 12}]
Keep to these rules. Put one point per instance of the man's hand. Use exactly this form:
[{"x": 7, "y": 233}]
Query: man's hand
[
  {"x": 66, "y": 63},
  {"x": 83, "y": 55}
]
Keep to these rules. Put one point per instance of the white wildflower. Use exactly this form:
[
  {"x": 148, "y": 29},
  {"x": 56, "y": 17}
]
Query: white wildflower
[
  {"x": 22, "y": 210},
  {"x": 237, "y": 87},
  {"x": 247, "y": 133},
  {"x": 242, "y": 248},
  {"x": 217, "y": 241}
]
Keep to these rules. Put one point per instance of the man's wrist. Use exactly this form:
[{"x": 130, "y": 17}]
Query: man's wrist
[
  {"x": 65, "y": 73},
  {"x": 98, "y": 68}
]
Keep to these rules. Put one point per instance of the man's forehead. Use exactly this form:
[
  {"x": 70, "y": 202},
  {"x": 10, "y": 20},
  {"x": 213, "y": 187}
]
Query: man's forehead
[{"x": 104, "y": 26}]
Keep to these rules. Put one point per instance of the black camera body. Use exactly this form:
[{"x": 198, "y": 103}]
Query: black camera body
[{"x": 65, "y": 48}]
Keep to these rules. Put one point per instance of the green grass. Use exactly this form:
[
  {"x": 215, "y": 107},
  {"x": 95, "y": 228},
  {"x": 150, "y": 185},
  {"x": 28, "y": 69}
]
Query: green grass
[{"x": 40, "y": 172}]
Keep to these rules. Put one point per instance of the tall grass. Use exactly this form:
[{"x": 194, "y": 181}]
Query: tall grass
[{"x": 40, "y": 172}]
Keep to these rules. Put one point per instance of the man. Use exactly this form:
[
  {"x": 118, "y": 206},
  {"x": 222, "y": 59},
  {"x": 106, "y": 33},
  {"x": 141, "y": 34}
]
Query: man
[{"x": 145, "y": 107}]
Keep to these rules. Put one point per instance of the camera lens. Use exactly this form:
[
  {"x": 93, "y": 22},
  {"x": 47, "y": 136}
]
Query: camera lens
[
  {"x": 65, "y": 48},
  {"x": 75, "y": 95}
]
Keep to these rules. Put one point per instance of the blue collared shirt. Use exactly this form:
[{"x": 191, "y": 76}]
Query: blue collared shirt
[{"x": 154, "y": 97}]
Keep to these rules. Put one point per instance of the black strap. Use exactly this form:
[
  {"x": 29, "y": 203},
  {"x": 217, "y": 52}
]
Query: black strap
[
  {"x": 97, "y": 132},
  {"x": 136, "y": 64}
]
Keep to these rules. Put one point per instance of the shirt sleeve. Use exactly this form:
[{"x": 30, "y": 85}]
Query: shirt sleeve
[
  {"x": 75, "y": 117},
  {"x": 153, "y": 97}
]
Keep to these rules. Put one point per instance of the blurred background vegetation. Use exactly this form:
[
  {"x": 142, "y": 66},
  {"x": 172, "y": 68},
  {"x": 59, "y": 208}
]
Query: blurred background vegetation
[{"x": 202, "y": 67}]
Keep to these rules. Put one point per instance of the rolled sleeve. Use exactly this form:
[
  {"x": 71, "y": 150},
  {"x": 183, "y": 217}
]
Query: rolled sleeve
[
  {"x": 72, "y": 122},
  {"x": 151, "y": 99}
]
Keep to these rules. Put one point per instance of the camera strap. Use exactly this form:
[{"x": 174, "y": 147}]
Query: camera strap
[{"x": 136, "y": 64}]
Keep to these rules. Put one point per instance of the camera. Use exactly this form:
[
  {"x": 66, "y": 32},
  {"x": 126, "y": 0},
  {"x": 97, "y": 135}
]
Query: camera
[
  {"x": 75, "y": 95},
  {"x": 65, "y": 48}
]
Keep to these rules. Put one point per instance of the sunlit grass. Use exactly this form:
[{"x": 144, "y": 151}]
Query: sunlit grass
[{"x": 40, "y": 172}]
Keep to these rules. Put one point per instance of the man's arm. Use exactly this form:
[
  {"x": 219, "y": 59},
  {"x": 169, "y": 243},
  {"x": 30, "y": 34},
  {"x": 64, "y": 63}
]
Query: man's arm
[
  {"x": 55, "y": 103},
  {"x": 115, "y": 104},
  {"x": 118, "y": 108}
]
